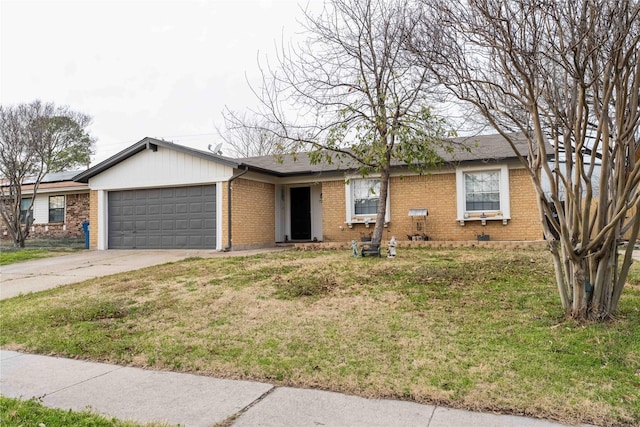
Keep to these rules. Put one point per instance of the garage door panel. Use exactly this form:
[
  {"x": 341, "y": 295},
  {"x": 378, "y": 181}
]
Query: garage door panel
[
  {"x": 195, "y": 191},
  {"x": 163, "y": 218},
  {"x": 154, "y": 241},
  {"x": 181, "y": 192}
]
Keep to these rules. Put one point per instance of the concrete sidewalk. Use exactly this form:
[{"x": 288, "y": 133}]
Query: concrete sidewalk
[
  {"x": 47, "y": 273},
  {"x": 191, "y": 400}
]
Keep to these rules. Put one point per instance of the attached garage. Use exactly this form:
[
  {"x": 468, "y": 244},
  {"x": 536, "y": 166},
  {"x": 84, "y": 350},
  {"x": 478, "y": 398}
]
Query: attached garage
[
  {"x": 158, "y": 195},
  {"x": 163, "y": 218}
]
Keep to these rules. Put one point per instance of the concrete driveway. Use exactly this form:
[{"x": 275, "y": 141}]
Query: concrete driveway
[{"x": 47, "y": 273}]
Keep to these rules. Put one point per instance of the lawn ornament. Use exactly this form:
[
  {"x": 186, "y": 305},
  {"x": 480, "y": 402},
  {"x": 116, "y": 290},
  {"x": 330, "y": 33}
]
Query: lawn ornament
[{"x": 391, "y": 252}]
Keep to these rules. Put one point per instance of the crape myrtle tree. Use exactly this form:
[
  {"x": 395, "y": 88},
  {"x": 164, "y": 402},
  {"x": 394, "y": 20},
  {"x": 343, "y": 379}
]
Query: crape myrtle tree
[
  {"x": 35, "y": 139},
  {"x": 568, "y": 73},
  {"x": 350, "y": 94}
]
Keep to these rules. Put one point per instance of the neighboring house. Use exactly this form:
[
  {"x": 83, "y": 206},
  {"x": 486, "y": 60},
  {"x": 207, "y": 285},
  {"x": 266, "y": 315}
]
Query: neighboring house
[
  {"x": 156, "y": 194},
  {"x": 60, "y": 207}
]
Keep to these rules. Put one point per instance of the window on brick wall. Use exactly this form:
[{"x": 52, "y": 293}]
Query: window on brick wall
[
  {"x": 483, "y": 193},
  {"x": 56, "y": 209},
  {"x": 362, "y": 196}
]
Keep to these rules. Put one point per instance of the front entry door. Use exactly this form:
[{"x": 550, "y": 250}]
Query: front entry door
[{"x": 300, "y": 213}]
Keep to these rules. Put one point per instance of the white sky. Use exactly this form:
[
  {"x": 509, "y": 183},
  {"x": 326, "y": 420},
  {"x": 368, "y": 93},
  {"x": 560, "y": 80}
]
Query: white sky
[{"x": 164, "y": 69}]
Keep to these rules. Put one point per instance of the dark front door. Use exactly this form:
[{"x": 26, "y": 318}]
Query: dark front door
[{"x": 301, "y": 213}]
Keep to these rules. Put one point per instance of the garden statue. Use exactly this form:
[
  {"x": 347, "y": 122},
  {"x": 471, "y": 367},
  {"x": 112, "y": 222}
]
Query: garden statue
[
  {"x": 391, "y": 252},
  {"x": 354, "y": 248}
]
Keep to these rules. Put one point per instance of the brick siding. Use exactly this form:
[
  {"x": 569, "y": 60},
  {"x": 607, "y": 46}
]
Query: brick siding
[
  {"x": 253, "y": 214},
  {"x": 437, "y": 193},
  {"x": 76, "y": 211}
]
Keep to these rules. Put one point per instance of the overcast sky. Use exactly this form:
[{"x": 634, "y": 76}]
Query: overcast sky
[{"x": 164, "y": 69}]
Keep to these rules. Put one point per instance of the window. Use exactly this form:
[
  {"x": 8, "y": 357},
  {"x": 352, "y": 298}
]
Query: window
[
  {"x": 362, "y": 196},
  {"x": 483, "y": 193},
  {"x": 56, "y": 208},
  {"x": 366, "y": 193},
  {"x": 25, "y": 204}
]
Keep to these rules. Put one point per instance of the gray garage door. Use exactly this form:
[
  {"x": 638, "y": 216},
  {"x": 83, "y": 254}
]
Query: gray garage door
[{"x": 163, "y": 218}]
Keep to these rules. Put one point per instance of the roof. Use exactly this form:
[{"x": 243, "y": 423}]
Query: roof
[
  {"x": 151, "y": 144},
  {"x": 474, "y": 148},
  {"x": 53, "y": 177},
  {"x": 465, "y": 149},
  {"x": 50, "y": 178}
]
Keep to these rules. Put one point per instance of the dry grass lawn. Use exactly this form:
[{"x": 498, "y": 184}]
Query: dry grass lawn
[{"x": 472, "y": 328}]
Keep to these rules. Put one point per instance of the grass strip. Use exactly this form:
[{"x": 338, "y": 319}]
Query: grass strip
[{"x": 17, "y": 413}]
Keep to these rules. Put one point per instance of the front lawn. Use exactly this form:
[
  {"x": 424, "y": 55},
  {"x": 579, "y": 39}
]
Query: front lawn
[
  {"x": 37, "y": 248},
  {"x": 472, "y": 328}
]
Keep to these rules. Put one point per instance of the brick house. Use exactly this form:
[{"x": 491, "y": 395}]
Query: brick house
[
  {"x": 60, "y": 207},
  {"x": 156, "y": 194}
]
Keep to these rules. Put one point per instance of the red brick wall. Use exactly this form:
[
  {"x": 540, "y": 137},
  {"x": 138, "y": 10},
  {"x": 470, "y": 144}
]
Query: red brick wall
[{"x": 76, "y": 211}]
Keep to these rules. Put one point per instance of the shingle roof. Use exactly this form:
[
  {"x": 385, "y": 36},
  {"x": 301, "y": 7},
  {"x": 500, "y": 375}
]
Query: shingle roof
[{"x": 480, "y": 147}]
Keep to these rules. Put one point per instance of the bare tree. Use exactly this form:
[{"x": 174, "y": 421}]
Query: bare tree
[
  {"x": 567, "y": 72},
  {"x": 248, "y": 135},
  {"x": 35, "y": 139},
  {"x": 351, "y": 94}
]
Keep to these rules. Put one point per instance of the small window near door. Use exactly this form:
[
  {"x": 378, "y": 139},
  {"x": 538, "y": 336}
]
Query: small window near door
[
  {"x": 366, "y": 193},
  {"x": 56, "y": 209},
  {"x": 362, "y": 198}
]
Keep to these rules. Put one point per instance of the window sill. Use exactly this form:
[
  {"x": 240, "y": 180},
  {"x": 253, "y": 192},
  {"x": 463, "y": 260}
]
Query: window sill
[
  {"x": 484, "y": 220},
  {"x": 366, "y": 223}
]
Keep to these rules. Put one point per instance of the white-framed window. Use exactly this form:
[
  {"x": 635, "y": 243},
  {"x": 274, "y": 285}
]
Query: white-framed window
[
  {"x": 56, "y": 208},
  {"x": 362, "y": 197},
  {"x": 483, "y": 193}
]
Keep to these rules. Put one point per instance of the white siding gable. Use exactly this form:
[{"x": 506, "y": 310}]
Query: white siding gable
[{"x": 165, "y": 167}]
